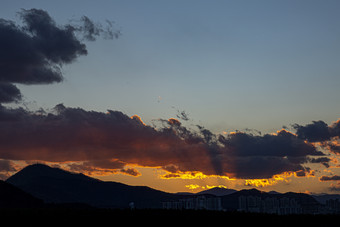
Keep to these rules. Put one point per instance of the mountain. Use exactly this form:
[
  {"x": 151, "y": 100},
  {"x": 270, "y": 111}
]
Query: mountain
[
  {"x": 274, "y": 192},
  {"x": 13, "y": 197},
  {"x": 54, "y": 185},
  {"x": 217, "y": 191},
  {"x": 29, "y": 173}
]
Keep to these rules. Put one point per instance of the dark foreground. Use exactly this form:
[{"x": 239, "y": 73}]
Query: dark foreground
[{"x": 113, "y": 217}]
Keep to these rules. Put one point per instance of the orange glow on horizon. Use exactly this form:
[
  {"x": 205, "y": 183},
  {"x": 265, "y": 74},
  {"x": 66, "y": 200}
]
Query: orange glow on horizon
[
  {"x": 190, "y": 175},
  {"x": 269, "y": 182}
]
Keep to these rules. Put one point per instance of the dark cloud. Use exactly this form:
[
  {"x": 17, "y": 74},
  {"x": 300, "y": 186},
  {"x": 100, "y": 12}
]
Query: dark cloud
[
  {"x": 318, "y": 131},
  {"x": 282, "y": 144},
  {"x": 324, "y": 161},
  {"x": 326, "y": 136},
  {"x": 333, "y": 147},
  {"x": 334, "y": 129},
  {"x": 110, "y": 141},
  {"x": 254, "y": 156},
  {"x": 34, "y": 52},
  {"x": 131, "y": 172},
  {"x": 73, "y": 134},
  {"x": 303, "y": 173},
  {"x": 330, "y": 178},
  {"x": 315, "y": 132},
  {"x": 9, "y": 93},
  {"x": 97, "y": 167}
]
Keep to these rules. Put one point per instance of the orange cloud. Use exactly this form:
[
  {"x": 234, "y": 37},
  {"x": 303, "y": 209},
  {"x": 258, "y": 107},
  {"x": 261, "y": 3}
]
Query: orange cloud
[{"x": 268, "y": 182}]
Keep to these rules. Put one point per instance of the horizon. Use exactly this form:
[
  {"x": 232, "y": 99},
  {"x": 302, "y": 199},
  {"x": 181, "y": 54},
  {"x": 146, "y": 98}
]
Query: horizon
[
  {"x": 196, "y": 192},
  {"x": 214, "y": 187},
  {"x": 177, "y": 96}
]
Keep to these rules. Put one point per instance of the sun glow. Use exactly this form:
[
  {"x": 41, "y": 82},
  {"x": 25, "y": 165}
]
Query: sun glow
[
  {"x": 190, "y": 175},
  {"x": 192, "y": 186},
  {"x": 269, "y": 182}
]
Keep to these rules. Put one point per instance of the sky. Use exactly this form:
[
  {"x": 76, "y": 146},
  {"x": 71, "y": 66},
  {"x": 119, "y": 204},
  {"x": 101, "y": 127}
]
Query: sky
[{"x": 175, "y": 95}]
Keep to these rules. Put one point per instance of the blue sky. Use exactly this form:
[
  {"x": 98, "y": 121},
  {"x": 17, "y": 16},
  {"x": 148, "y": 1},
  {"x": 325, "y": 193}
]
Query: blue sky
[{"x": 229, "y": 64}]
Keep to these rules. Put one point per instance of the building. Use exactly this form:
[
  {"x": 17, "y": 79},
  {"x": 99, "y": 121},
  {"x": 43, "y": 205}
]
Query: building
[
  {"x": 194, "y": 203},
  {"x": 269, "y": 205},
  {"x": 333, "y": 206}
]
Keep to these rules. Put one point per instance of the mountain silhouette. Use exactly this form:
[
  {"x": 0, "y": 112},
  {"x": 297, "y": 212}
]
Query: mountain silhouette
[
  {"x": 217, "y": 191},
  {"x": 31, "y": 172},
  {"x": 13, "y": 197},
  {"x": 57, "y": 186},
  {"x": 54, "y": 185}
]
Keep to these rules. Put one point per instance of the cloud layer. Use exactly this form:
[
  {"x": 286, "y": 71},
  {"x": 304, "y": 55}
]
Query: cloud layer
[{"x": 112, "y": 140}]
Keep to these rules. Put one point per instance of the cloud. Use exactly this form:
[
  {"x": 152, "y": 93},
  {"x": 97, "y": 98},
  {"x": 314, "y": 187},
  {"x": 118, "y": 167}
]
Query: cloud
[
  {"x": 90, "y": 30},
  {"x": 111, "y": 141},
  {"x": 92, "y": 142},
  {"x": 315, "y": 132},
  {"x": 9, "y": 93},
  {"x": 335, "y": 129},
  {"x": 255, "y": 156},
  {"x": 318, "y": 131},
  {"x": 34, "y": 52},
  {"x": 182, "y": 115},
  {"x": 330, "y": 178},
  {"x": 6, "y": 167},
  {"x": 321, "y": 134},
  {"x": 333, "y": 147},
  {"x": 131, "y": 172},
  {"x": 335, "y": 187},
  {"x": 96, "y": 167},
  {"x": 324, "y": 161}
]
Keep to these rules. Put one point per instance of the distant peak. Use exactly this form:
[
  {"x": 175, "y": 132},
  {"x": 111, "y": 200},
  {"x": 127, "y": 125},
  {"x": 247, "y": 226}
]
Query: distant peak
[
  {"x": 252, "y": 191},
  {"x": 42, "y": 167},
  {"x": 218, "y": 191},
  {"x": 42, "y": 170},
  {"x": 38, "y": 165}
]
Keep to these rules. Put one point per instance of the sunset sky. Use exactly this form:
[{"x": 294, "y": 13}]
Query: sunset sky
[{"x": 174, "y": 95}]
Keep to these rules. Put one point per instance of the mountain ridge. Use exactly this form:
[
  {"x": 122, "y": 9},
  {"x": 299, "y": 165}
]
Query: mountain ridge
[
  {"x": 54, "y": 185},
  {"x": 13, "y": 197},
  {"x": 217, "y": 191},
  {"x": 41, "y": 170}
]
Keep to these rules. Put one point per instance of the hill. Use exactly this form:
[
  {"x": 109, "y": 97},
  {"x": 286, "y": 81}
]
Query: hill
[
  {"x": 54, "y": 185},
  {"x": 13, "y": 197},
  {"x": 217, "y": 191}
]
